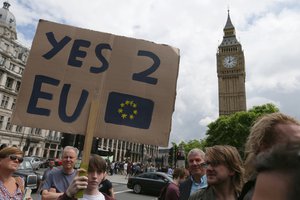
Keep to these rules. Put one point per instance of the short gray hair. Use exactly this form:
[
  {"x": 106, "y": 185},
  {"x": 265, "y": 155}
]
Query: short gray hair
[
  {"x": 71, "y": 148},
  {"x": 196, "y": 151}
]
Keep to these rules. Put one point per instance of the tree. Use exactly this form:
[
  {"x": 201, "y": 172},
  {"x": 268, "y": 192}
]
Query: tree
[
  {"x": 234, "y": 129},
  {"x": 192, "y": 144}
]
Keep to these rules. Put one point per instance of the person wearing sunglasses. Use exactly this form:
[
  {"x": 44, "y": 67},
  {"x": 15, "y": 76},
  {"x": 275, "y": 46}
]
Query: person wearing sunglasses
[
  {"x": 225, "y": 174},
  {"x": 11, "y": 187}
]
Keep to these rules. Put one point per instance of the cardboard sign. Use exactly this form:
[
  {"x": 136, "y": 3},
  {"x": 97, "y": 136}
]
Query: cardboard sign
[{"x": 68, "y": 67}]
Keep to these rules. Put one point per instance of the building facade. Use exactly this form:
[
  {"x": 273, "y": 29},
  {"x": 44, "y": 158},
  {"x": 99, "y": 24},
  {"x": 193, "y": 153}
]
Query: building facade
[
  {"x": 231, "y": 72},
  {"x": 36, "y": 141},
  {"x": 13, "y": 57}
]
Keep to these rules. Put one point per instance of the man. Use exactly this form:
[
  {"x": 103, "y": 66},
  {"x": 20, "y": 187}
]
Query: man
[
  {"x": 48, "y": 170},
  {"x": 278, "y": 173},
  {"x": 46, "y": 173},
  {"x": 224, "y": 171},
  {"x": 197, "y": 180},
  {"x": 59, "y": 180},
  {"x": 96, "y": 172},
  {"x": 269, "y": 130}
]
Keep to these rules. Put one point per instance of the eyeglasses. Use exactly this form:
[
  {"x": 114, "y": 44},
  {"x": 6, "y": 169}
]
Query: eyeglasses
[
  {"x": 14, "y": 157},
  {"x": 203, "y": 165}
]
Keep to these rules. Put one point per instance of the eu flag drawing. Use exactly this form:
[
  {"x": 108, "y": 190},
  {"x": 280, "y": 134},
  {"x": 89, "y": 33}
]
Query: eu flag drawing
[{"x": 129, "y": 110}]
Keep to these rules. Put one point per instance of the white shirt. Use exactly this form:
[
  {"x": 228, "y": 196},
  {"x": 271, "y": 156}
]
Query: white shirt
[{"x": 99, "y": 196}]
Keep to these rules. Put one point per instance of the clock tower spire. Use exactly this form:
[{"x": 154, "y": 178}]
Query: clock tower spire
[{"x": 231, "y": 72}]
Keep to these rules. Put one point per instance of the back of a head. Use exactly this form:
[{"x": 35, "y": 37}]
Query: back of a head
[
  {"x": 3, "y": 146},
  {"x": 263, "y": 134},
  {"x": 229, "y": 156},
  {"x": 283, "y": 159},
  {"x": 97, "y": 164},
  {"x": 179, "y": 173}
]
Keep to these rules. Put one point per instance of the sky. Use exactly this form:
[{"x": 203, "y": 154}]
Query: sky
[{"x": 268, "y": 31}]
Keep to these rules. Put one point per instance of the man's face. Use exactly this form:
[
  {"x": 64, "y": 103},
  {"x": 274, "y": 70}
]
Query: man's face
[
  {"x": 94, "y": 179},
  {"x": 51, "y": 163},
  {"x": 69, "y": 159},
  {"x": 195, "y": 160},
  {"x": 10, "y": 163},
  {"x": 217, "y": 173},
  {"x": 272, "y": 185}
]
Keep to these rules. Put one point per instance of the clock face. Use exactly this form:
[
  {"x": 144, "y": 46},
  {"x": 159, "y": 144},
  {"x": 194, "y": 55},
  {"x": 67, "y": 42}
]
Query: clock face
[{"x": 230, "y": 61}]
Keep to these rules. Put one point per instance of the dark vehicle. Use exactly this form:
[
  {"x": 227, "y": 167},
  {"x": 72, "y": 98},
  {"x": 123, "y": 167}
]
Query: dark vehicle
[
  {"x": 31, "y": 178},
  {"x": 149, "y": 182}
]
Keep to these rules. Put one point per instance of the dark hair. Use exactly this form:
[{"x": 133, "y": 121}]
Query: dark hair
[
  {"x": 96, "y": 163},
  {"x": 285, "y": 159},
  {"x": 3, "y": 146},
  {"x": 179, "y": 173},
  {"x": 9, "y": 151}
]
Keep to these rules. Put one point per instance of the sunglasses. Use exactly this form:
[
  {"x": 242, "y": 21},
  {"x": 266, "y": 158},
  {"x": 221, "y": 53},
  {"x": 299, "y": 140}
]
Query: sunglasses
[{"x": 14, "y": 157}]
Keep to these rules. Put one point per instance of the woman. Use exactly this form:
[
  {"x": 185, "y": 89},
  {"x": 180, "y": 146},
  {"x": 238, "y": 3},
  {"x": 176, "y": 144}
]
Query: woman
[{"x": 11, "y": 187}]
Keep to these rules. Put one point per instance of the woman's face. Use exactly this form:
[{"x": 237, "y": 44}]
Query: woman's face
[{"x": 11, "y": 162}]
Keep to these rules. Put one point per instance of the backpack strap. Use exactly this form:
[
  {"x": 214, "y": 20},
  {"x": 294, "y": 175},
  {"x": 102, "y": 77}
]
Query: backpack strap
[{"x": 20, "y": 183}]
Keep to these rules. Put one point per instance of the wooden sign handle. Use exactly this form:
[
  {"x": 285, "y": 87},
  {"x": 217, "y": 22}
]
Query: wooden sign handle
[{"x": 95, "y": 105}]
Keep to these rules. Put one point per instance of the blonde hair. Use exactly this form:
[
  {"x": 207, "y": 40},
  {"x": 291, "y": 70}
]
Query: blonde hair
[
  {"x": 230, "y": 157},
  {"x": 264, "y": 134}
]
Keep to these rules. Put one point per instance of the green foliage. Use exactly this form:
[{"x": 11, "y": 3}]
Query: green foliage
[
  {"x": 192, "y": 144},
  {"x": 234, "y": 129}
]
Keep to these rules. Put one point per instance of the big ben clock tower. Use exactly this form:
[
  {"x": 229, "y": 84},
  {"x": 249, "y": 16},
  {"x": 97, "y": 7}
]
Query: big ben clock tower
[{"x": 231, "y": 72}]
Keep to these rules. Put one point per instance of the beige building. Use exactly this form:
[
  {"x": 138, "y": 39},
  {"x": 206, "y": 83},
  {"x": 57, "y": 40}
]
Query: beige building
[
  {"x": 231, "y": 72},
  {"x": 13, "y": 57},
  {"x": 43, "y": 143}
]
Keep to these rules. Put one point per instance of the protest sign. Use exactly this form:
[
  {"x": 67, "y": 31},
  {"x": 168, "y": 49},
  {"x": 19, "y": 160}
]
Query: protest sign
[{"x": 68, "y": 67}]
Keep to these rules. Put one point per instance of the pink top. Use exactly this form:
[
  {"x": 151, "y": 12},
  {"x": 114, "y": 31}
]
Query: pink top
[{"x": 5, "y": 195}]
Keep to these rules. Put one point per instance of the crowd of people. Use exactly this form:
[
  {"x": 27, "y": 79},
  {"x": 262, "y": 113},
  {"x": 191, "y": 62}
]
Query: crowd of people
[{"x": 271, "y": 170}]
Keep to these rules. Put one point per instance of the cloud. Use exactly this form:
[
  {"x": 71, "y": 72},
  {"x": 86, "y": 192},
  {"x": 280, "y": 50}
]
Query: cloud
[{"x": 268, "y": 31}]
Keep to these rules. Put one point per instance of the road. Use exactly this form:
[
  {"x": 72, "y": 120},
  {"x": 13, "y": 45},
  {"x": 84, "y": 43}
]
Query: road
[
  {"x": 120, "y": 188},
  {"x": 121, "y": 193}
]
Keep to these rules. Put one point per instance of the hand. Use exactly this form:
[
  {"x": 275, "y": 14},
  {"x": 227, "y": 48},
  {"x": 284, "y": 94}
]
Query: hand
[
  {"x": 50, "y": 195},
  {"x": 78, "y": 183}
]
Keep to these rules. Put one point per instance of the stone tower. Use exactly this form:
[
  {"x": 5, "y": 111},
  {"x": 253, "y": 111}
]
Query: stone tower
[{"x": 231, "y": 72}]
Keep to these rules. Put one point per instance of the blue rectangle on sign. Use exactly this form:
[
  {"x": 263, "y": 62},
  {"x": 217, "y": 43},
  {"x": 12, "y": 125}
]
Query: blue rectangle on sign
[{"x": 129, "y": 110}]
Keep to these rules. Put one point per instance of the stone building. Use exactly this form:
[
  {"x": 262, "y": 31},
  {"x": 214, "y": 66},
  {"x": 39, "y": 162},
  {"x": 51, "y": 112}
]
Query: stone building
[{"x": 13, "y": 57}]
